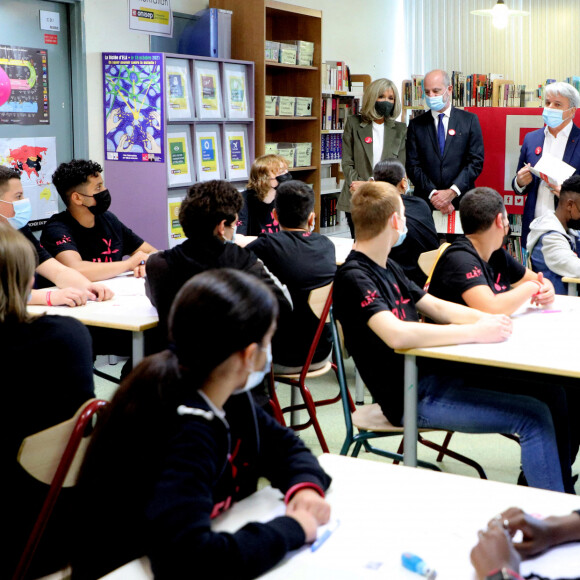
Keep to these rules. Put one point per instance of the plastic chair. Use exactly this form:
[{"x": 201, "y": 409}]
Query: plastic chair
[
  {"x": 372, "y": 424},
  {"x": 320, "y": 301},
  {"x": 54, "y": 457}
]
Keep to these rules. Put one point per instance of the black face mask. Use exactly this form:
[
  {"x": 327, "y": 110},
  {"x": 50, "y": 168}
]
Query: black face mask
[
  {"x": 282, "y": 178},
  {"x": 573, "y": 224},
  {"x": 384, "y": 108},
  {"x": 103, "y": 202}
]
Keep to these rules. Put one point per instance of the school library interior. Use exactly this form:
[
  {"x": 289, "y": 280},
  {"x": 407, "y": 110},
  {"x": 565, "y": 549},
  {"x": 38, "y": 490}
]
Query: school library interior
[{"x": 291, "y": 288}]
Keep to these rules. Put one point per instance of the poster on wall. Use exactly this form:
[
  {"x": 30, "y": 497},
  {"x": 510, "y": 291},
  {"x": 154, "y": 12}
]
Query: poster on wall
[
  {"x": 133, "y": 106},
  {"x": 179, "y": 156},
  {"x": 236, "y": 91},
  {"x": 208, "y": 153},
  {"x": 236, "y": 139},
  {"x": 24, "y": 86},
  {"x": 208, "y": 92},
  {"x": 151, "y": 16},
  {"x": 176, "y": 234},
  {"x": 179, "y": 95},
  {"x": 35, "y": 158}
]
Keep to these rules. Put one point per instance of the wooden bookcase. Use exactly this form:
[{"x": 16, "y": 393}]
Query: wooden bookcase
[{"x": 254, "y": 22}]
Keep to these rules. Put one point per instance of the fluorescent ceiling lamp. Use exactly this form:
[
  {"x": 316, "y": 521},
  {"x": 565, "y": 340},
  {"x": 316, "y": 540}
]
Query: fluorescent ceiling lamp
[{"x": 500, "y": 14}]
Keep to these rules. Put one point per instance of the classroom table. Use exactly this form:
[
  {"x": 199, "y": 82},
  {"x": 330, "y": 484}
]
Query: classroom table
[
  {"x": 342, "y": 246},
  {"x": 385, "y": 510},
  {"x": 544, "y": 341},
  {"x": 572, "y": 285},
  {"x": 129, "y": 310}
]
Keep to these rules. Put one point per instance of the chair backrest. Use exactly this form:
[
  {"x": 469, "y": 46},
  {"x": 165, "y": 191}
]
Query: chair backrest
[
  {"x": 54, "y": 456},
  {"x": 428, "y": 260},
  {"x": 318, "y": 298}
]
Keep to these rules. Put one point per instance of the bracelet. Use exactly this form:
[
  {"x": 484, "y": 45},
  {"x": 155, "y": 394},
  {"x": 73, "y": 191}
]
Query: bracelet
[
  {"x": 48, "y": 302},
  {"x": 299, "y": 486},
  {"x": 503, "y": 574}
]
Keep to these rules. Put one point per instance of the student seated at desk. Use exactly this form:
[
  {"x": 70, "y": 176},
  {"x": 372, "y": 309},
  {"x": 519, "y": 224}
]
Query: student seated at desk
[
  {"x": 477, "y": 271},
  {"x": 497, "y": 557},
  {"x": 208, "y": 216},
  {"x": 421, "y": 235},
  {"x": 46, "y": 376},
  {"x": 86, "y": 236},
  {"x": 302, "y": 260},
  {"x": 256, "y": 215},
  {"x": 183, "y": 442},
  {"x": 378, "y": 307},
  {"x": 553, "y": 241},
  {"x": 74, "y": 288}
]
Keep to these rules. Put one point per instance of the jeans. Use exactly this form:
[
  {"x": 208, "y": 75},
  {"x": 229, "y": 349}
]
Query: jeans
[{"x": 448, "y": 403}]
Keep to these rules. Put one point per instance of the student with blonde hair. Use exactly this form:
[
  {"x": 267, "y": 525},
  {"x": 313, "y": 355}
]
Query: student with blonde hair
[
  {"x": 370, "y": 137},
  {"x": 47, "y": 363},
  {"x": 256, "y": 217}
]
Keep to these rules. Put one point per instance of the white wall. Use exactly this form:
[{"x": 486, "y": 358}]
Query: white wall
[{"x": 369, "y": 36}]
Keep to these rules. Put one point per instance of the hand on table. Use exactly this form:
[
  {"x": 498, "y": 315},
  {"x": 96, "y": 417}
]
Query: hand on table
[
  {"x": 70, "y": 297},
  {"x": 524, "y": 176},
  {"x": 101, "y": 292},
  {"x": 137, "y": 263},
  {"x": 546, "y": 294},
  {"x": 310, "y": 510},
  {"x": 494, "y": 550},
  {"x": 493, "y": 328}
]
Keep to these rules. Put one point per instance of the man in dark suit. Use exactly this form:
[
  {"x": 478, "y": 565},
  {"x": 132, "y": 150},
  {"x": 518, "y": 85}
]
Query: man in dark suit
[
  {"x": 444, "y": 147},
  {"x": 560, "y": 138}
]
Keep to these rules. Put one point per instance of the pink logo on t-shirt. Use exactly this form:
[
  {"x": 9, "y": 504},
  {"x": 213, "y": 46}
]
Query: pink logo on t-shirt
[
  {"x": 65, "y": 240},
  {"x": 271, "y": 228},
  {"x": 369, "y": 298},
  {"x": 499, "y": 287},
  {"x": 475, "y": 273}
]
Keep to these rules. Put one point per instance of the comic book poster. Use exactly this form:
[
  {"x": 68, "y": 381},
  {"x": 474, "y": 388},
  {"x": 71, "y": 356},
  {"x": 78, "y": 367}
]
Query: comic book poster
[
  {"x": 35, "y": 158},
  {"x": 133, "y": 103},
  {"x": 24, "y": 86}
]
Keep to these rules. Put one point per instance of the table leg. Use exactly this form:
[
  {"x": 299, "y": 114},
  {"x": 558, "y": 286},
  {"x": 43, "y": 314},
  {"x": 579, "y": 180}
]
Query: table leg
[
  {"x": 572, "y": 289},
  {"x": 410, "y": 419},
  {"x": 138, "y": 347}
]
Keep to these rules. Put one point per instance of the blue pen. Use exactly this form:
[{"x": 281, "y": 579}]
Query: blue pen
[
  {"x": 325, "y": 535},
  {"x": 417, "y": 565}
]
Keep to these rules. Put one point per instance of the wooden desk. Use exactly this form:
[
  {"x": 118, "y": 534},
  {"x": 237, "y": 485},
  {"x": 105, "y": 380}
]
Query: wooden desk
[
  {"x": 572, "y": 285},
  {"x": 385, "y": 510},
  {"x": 129, "y": 310},
  {"x": 542, "y": 342}
]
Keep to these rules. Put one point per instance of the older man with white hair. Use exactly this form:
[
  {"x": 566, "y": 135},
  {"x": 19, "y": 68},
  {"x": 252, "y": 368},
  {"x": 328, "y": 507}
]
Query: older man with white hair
[{"x": 561, "y": 139}]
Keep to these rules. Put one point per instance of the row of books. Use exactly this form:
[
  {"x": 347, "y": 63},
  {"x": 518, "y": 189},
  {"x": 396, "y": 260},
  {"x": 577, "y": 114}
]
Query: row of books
[
  {"x": 413, "y": 92},
  {"x": 335, "y": 111},
  {"x": 509, "y": 95},
  {"x": 515, "y": 224},
  {"x": 514, "y": 247},
  {"x": 335, "y": 76},
  {"x": 331, "y": 146},
  {"x": 473, "y": 90},
  {"x": 328, "y": 215}
]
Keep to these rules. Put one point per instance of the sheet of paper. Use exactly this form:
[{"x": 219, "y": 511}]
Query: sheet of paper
[
  {"x": 552, "y": 170},
  {"x": 126, "y": 285}
]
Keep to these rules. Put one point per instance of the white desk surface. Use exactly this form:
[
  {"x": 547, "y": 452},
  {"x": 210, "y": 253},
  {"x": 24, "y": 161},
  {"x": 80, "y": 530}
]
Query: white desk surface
[
  {"x": 343, "y": 246},
  {"x": 385, "y": 510},
  {"x": 129, "y": 309},
  {"x": 543, "y": 340}
]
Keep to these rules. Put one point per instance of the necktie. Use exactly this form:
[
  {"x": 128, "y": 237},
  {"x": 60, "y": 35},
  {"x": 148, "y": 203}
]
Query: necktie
[{"x": 441, "y": 133}]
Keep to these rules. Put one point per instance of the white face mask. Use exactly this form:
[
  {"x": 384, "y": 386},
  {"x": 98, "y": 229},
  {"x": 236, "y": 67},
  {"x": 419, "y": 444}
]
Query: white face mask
[
  {"x": 256, "y": 377},
  {"x": 22, "y": 213}
]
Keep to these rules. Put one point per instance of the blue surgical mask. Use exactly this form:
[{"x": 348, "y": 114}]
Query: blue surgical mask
[
  {"x": 22, "y": 213},
  {"x": 256, "y": 377},
  {"x": 402, "y": 236},
  {"x": 435, "y": 103},
  {"x": 552, "y": 117},
  {"x": 233, "y": 240}
]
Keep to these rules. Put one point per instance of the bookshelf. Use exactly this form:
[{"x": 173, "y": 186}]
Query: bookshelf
[
  {"x": 253, "y": 23},
  {"x": 191, "y": 115}
]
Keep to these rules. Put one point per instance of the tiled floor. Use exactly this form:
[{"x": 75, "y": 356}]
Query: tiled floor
[{"x": 499, "y": 456}]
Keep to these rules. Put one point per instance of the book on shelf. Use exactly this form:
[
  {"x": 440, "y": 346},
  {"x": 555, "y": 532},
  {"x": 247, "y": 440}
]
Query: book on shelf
[
  {"x": 208, "y": 157},
  {"x": 179, "y": 156},
  {"x": 486, "y": 90},
  {"x": 328, "y": 213},
  {"x": 179, "y": 87},
  {"x": 335, "y": 111},
  {"x": 331, "y": 146},
  {"x": 335, "y": 76},
  {"x": 413, "y": 92}
]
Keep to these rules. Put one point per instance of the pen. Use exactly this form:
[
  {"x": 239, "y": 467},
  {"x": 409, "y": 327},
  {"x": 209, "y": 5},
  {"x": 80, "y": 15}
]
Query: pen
[
  {"x": 142, "y": 263},
  {"x": 416, "y": 564},
  {"x": 325, "y": 535}
]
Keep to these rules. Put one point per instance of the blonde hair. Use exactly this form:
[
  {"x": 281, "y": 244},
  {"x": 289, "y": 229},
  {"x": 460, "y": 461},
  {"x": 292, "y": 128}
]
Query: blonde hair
[
  {"x": 375, "y": 90},
  {"x": 17, "y": 266},
  {"x": 371, "y": 206},
  {"x": 260, "y": 173}
]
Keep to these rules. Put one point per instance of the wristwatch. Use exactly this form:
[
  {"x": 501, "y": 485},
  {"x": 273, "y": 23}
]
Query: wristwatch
[{"x": 503, "y": 574}]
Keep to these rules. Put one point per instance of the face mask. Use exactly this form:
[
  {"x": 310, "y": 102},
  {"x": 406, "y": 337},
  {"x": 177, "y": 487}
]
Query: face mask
[
  {"x": 402, "y": 236},
  {"x": 256, "y": 377},
  {"x": 233, "y": 240},
  {"x": 282, "y": 178},
  {"x": 573, "y": 224},
  {"x": 313, "y": 225},
  {"x": 384, "y": 108},
  {"x": 102, "y": 200},
  {"x": 435, "y": 103},
  {"x": 22, "y": 213},
  {"x": 552, "y": 117}
]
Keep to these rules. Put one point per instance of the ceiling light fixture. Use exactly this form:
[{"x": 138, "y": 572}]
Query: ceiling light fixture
[{"x": 500, "y": 14}]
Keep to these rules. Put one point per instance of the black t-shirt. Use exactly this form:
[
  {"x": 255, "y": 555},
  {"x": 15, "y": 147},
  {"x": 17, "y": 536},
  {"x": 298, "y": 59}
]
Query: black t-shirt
[
  {"x": 42, "y": 254},
  {"x": 422, "y": 237},
  {"x": 256, "y": 216},
  {"x": 461, "y": 268},
  {"x": 362, "y": 288},
  {"x": 303, "y": 261},
  {"x": 107, "y": 241}
]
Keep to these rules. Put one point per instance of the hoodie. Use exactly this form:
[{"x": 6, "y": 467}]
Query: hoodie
[{"x": 553, "y": 250}]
